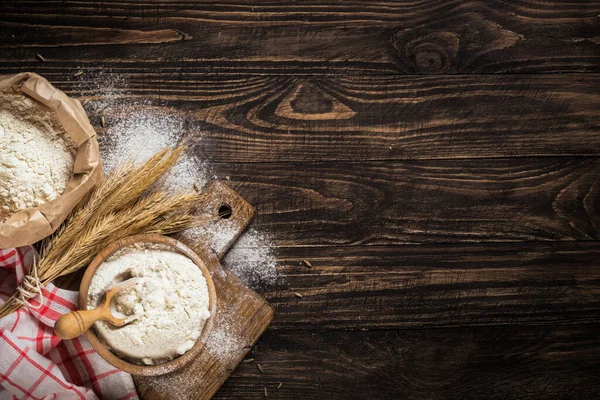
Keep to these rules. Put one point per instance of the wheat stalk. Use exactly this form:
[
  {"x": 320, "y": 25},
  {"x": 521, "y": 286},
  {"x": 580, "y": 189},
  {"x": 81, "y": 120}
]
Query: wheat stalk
[{"x": 120, "y": 206}]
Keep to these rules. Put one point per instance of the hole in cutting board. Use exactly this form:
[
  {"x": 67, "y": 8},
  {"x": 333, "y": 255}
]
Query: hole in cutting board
[{"x": 225, "y": 211}]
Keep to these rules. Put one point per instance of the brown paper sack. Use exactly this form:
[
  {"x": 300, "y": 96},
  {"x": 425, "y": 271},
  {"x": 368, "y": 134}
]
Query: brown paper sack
[{"x": 33, "y": 224}]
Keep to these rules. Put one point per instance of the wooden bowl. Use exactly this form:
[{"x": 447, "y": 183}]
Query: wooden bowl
[{"x": 169, "y": 366}]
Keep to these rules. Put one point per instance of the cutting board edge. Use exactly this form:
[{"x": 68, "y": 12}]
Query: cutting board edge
[{"x": 269, "y": 320}]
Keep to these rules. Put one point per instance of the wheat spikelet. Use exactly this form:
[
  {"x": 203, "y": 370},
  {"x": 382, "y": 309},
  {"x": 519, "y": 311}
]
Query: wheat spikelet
[{"x": 120, "y": 206}]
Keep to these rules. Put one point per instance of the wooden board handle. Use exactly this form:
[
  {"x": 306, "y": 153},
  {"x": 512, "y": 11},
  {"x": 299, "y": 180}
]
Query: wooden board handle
[
  {"x": 75, "y": 323},
  {"x": 234, "y": 214}
]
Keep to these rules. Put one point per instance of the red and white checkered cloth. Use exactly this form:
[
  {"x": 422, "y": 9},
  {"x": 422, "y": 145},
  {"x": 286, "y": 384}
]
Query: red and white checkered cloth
[{"x": 35, "y": 363}]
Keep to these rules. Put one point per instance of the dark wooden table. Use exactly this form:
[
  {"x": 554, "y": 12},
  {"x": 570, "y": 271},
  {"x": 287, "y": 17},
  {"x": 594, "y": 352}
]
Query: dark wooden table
[{"x": 436, "y": 161}]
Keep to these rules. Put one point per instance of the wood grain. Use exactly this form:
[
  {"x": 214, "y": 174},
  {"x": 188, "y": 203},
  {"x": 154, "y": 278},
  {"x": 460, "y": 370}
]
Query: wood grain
[
  {"x": 483, "y": 363},
  {"x": 59, "y": 36},
  {"x": 435, "y": 161},
  {"x": 293, "y": 119},
  {"x": 400, "y": 287},
  {"x": 360, "y": 37},
  {"x": 437, "y": 201},
  {"x": 288, "y": 118}
]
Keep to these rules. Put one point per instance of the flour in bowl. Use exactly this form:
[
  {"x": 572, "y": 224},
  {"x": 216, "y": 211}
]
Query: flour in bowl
[
  {"x": 169, "y": 306},
  {"x": 36, "y": 155}
]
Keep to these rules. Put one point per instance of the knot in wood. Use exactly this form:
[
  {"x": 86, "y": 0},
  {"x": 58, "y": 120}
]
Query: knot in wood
[
  {"x": 434, "y": 52},
  {"x": 460, "y": 43}
]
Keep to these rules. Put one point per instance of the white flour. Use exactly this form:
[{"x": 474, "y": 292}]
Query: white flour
[
  {"x": 36, "y": 161},
  {"x": 138, "y": 135},
  {"x": 217, "y": 236},
  {"x": 171, "y": 304},
  {"x": 188, "y": 172},
  {"x": 252, "y": 257},
  {"x": 102, "y": 88}
]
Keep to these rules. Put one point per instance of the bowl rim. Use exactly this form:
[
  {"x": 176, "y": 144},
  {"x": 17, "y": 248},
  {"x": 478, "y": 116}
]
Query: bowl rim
[{"x": 176, "y": 363}]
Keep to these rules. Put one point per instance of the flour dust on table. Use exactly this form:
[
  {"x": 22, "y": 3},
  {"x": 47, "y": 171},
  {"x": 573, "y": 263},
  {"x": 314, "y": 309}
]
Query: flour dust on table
[
  {"x": 219, "y": 235},
  {"x": 137, "y": 131},
  {"x": 187, "y": 174},
  {"x": 139, "y": 134},
  {"x": 225, "y": 339},
  {"x": 252, "y": 257},
  {"x": 100, "y": 88}
]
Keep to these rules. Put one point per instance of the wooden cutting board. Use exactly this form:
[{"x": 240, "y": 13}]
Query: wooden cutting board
[{"x": 242, "y": 315}]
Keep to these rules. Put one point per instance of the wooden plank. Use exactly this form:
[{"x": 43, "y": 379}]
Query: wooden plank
[
  {"x": 487, "y": 363},
  {"x": 402, "y": 118},
  {"x": 286, "y": 118},
  {"x": 447, "y": 36},
  {"x": 292, "y": 119},
  {"x": 436, "y": 201},
  {"x": 411, "y": 286}
]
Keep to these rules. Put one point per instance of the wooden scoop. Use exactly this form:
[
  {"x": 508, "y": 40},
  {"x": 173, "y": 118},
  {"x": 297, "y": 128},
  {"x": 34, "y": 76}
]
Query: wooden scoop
[{"x": 75, "y": 323}]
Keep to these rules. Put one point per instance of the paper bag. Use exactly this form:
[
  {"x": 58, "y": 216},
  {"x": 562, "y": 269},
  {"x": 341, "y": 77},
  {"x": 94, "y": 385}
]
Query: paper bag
[{"x": 33, "y": 224}]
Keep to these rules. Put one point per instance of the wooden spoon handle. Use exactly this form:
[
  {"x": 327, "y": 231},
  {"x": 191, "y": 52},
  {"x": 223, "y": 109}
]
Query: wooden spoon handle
[{"x": 75, "y": 323}]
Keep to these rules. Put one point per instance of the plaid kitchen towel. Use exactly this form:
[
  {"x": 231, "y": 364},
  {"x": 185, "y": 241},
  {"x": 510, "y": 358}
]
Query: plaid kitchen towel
[{"x": 34, "y": 362}]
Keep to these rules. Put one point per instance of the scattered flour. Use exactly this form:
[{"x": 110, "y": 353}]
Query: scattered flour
[
  {"x": 170, "y": 303},
  {"x": 37, "y": 157},
  {"x": 187, "y": 173},
  {"x": 252, "y": 257},
  {"x": 103, "y": 88},
  {"x": 225, "y": 339},
  {"x": 222, "y": 348},
  {"x": 218, "y": 235},
  {"x": 138, "y": 135}
]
